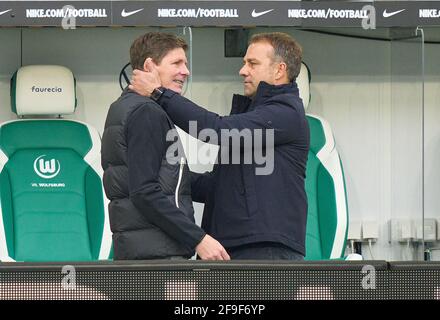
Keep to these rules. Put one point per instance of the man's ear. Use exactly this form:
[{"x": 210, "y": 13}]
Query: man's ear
[
  {"x": 281, "y": 71},
  {"x": 149, "y": 64}
]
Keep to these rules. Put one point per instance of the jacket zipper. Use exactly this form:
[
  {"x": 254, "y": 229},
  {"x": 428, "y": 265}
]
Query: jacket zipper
[{"x": 182, "y": 163}]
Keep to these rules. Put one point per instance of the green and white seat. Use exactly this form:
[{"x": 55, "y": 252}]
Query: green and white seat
[
  {"x": 327, "y": 216},
  {"x": 52, "y": 201}
]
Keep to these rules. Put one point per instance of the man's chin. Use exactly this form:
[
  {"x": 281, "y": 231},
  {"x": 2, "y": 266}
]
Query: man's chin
[
  {"x": 248, "y": 93},
  {"x": 177, "y": 89}
]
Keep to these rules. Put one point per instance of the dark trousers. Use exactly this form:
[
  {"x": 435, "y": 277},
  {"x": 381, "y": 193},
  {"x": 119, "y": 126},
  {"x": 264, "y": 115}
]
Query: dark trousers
[{"x": 264, "y": 251}]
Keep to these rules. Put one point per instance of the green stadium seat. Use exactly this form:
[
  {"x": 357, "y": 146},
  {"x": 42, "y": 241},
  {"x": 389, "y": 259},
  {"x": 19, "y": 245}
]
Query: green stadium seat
[
  {"x": 52, "y": 201},
  {"x": 327, "y": 216}
]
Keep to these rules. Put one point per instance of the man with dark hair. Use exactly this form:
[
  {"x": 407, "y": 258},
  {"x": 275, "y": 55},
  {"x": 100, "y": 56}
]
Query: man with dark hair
[
  {"x": 255, "y": 214},
  {"x": 154, "y": 45},
  {"x": 151, "y": 212}
]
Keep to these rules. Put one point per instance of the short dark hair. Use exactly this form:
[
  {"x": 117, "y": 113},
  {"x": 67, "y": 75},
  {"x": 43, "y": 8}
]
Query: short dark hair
[
  {"x": 285, "y": 48},
  {"x": 154, "y": 45}
]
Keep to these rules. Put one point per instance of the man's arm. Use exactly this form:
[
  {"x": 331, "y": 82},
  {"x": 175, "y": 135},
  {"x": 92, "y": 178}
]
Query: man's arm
[
  {"x": 286, "y": 122},
  {"x": 201, "y": 185},
  {"x": 146, "y": 147}
]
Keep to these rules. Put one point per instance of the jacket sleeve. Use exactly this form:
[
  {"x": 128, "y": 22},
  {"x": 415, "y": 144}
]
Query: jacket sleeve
[
  {"x": 146, "y": 141},
  {"x": 277, "y": 115},
  {"x": 201, "y": 185}
]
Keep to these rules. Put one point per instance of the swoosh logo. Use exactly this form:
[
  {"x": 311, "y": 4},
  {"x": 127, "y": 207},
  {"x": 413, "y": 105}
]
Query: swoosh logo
[
  {"x": 389, "y": 14},
  {"x": 129, "y": 13},
  {"x": 258, "y": 14},
  {"x": 3, "y": 12}
]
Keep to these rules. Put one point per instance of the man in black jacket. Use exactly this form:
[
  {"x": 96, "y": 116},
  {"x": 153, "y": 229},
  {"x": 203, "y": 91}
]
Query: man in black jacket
[
  {"x": 151, "y": 212},
  {"x": 256, "y": 213}
]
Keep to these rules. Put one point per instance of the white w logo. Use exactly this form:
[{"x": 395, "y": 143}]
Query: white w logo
[
  {"x": 47, "y": 166},
  {"x": 46, "y": 169}
]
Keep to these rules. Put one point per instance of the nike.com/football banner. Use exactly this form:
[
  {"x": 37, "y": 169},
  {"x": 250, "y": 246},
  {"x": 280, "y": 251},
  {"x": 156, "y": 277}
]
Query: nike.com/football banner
[{"x": 221, "y": 13}]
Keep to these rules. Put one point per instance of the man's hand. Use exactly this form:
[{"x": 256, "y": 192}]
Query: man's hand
[
  {"x": 144, "y": 82},
  {"x": 211, "y": 249}
]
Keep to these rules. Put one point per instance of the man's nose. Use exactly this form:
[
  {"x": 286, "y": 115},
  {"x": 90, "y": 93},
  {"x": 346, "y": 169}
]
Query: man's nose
[
  {"x": 185, "y": 71},
  {"x": 243, "y": 71}
]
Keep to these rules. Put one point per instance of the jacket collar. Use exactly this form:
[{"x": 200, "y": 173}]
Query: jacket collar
[{"x": 265, "y": 91}]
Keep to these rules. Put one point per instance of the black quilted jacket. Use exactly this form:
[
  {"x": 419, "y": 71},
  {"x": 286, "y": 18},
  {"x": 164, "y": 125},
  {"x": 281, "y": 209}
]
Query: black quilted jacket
[{"x": 147, "y": 182}]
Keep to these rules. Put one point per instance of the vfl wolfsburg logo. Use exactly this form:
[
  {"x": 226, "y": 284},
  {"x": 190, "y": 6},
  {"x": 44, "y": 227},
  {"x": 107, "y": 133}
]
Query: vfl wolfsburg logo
[{"x": 46, "y": 169}]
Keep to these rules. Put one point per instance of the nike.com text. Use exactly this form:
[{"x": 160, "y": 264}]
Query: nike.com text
[
  {"x": 199, "y": 13},
  {"x": 327, "y": 14},
  {"x": 66, "y": 13}
]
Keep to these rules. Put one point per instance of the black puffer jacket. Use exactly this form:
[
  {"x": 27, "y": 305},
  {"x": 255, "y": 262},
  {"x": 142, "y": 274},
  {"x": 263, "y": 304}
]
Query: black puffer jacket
[{"x": 151, "y": 212}]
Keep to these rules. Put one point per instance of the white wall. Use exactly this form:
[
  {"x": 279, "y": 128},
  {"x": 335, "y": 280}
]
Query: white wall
[{"x": 358, "y": 85}]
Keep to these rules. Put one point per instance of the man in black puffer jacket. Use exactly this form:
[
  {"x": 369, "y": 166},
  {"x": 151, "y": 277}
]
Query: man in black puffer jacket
[
  {"x": 256, "y": 212},
  {"x": 151, "y": 212}
]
